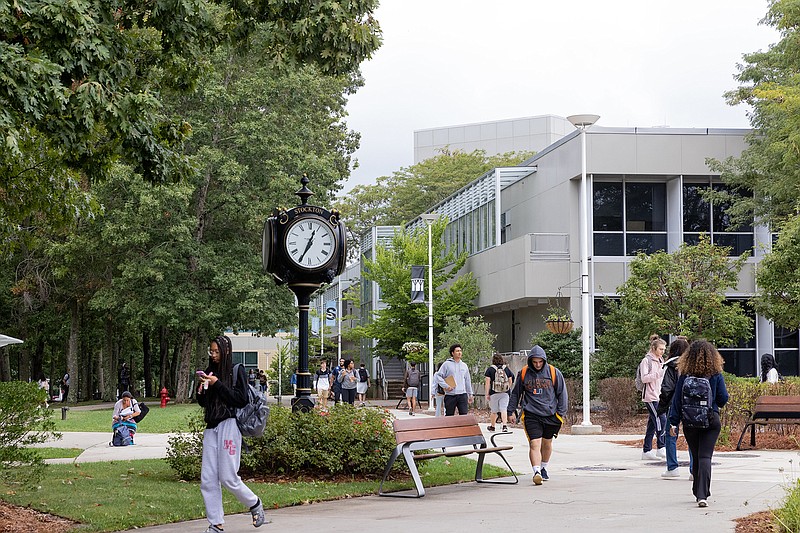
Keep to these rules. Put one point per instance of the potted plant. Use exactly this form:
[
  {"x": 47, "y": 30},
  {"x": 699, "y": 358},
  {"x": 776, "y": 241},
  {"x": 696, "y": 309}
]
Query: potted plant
[
  {"x": 558, "y": 320},
  {"x": 416, "y": 352}
]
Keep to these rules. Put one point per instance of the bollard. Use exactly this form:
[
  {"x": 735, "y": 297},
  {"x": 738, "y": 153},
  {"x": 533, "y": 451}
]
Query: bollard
[{"x": 64, "y": 413}]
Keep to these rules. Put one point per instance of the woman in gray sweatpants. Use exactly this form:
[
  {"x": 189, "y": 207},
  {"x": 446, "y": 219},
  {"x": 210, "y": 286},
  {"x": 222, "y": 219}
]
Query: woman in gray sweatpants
[{"x": 222, "y": 441}]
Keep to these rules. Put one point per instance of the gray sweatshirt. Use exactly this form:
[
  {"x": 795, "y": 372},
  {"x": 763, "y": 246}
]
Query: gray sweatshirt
[
  {"x": 459, "y": 371},
  {"x": 538, "y": 395}
]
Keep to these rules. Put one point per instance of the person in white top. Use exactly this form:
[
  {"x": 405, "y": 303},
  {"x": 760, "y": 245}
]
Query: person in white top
[{"x": 769, "y": 372}]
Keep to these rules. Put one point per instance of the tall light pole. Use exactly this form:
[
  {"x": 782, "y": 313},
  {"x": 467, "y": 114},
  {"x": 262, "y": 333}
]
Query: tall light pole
[
  {"x": 583, "y": 122},
  {"x": 429, "y": 219},
  {"x": 339, "y": 312}
]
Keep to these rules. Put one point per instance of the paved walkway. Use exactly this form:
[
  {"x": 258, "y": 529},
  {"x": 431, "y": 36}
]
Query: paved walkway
[{"x": 595, "y": 485}]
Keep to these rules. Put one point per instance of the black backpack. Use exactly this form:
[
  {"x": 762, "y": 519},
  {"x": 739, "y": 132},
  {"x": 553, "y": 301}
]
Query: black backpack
[
  {"x": 363, "y": 377},
  {"x": 696, "y": 402}
]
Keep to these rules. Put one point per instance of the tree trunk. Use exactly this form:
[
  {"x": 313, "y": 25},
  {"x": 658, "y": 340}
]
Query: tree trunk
[
  {"x": 24, "y": 363},
  {"x": 163, "y": 350},
  {"x": 146, "y": 363},
  {"x": 84, "y": 366},
  {"x": 37, "y": 363},
  {"x": 72, "y": 349},
  {"x": 185, "y": 360},
  {"x": 173, "y": 370},
  {"x": 105, "y": 368}
]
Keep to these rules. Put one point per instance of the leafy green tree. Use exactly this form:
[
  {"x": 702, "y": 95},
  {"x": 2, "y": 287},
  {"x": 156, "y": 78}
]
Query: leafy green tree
[
  {"x": 86, "y": 81},
  {"x": 476, "y": 340},
  {"x": 399, "y": 198},
  {"x": 563, "y": 351},
  {"x": 283, "y": 364},
  {"x": 682, "y": 293},
  {"x": 23, "y": 422},
  {"x": 778, "y": 279},
  {"x": 765, "y": 179},
  {"x": 402, "y": 321}
]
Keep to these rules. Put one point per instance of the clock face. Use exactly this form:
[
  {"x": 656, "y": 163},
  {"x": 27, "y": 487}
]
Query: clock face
[{"x": 310, "y": 243}]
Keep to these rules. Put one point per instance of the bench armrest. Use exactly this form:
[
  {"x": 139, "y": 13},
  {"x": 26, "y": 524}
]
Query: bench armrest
[{"x": 494, "y": 444}]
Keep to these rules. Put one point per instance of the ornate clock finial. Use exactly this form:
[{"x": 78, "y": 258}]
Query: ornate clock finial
[{"x": 304, "y": 193}]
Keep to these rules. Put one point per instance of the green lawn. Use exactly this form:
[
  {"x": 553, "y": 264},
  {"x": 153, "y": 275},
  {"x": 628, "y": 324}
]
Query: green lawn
[
  {"x": 58, "y": 453},
  {"x": 125, "y": 494},
  {"x": 171, "y": 419}
]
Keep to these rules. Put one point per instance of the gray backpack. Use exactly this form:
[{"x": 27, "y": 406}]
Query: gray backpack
[{"x": 252, "y": 418}]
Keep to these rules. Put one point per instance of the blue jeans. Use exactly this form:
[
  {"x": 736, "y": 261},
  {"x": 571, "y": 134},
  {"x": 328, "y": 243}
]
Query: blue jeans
[
  {"x": 672, "y": 452},
  {"x": 656, "y": 425}
]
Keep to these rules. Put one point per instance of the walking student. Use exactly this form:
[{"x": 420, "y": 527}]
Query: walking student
[
  {"x": 540, "y": 389},
  {"x": 219, "y": 394},
  {"x": 676, "y": 349},
  {"x": 652, "y": 373},
  {"x": 701, "y": 360},
  {"x": 498, "y": 380},
  {"x": 453, "y": 376},
  {"x": 348, "y": 379},
  {"x": 411, "y": 381},
  {"x": 323, "y": 385}
]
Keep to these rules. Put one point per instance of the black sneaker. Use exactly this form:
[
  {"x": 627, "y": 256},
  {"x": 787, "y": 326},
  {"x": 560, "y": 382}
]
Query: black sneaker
[
  {"x": 490, "y": 428},
  {"x": 545, "y": 477},
  {"x": 213, "y": 529}
]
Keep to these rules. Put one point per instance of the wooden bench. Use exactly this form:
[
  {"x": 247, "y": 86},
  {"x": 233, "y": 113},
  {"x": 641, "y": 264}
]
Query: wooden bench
[
  {"x": 771, "y": 410},
  {"x": 425, "y": 432}
]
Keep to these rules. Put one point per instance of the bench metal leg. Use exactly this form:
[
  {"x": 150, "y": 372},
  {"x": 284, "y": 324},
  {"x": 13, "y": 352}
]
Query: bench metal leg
[
  {"x": 412, "y": 467},
  {"x": 752, "y": 427},
  {"x": 479, "y": 472}
]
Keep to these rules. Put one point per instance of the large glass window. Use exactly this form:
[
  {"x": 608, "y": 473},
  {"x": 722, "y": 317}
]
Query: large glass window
[
  {"x": 629, "y": 218},
  {"x": 787, "y": 351},
  {"x": 248, "y": 359},
  {"x": 740, "y": 358},
  {"x": 700, "y": 216}
]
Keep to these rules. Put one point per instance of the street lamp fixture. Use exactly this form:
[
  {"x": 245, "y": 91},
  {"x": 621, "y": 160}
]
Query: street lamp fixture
[
  {"x": 429, "y": 219},
  {"x": 583, "y": 122}
]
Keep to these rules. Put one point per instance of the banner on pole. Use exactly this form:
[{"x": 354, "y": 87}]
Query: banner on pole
[
  {"x": 417, "y": 284},
  {"x": 330, "y": 313}
]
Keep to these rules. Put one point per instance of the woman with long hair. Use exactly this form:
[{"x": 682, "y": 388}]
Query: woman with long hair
[
  {"x": 769, "y": 370},
  {"x": 348, "y": 379},
  {"x": 220, "y": 393},
  {"x": 652, "y": 374},
  {"x": 704, "y": 361}
]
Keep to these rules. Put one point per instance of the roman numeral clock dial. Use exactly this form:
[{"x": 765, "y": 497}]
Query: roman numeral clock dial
[{"x": 310, "y": 243}]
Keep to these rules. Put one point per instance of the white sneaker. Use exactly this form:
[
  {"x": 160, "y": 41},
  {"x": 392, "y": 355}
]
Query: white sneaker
[
  {"x": 702, "y": 503},
  {"x": 650, "y": 456},
  {"x": 662, "y": 453},
  {"x": 671, "y": 473},
  {"x": 691, "y": 477}
]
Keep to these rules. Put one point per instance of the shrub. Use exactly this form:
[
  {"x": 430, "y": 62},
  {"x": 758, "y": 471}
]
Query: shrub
[
  {"x": 23, "y": 422},
  {"x": 575, "y": 395},
  {"x": 743, "y": 393},
  {"x": 620, "y": 397},
  {"x": 563, "y": 351},
  {"x": 347, "y": 440},
  {"x": 185, "y": 450}
]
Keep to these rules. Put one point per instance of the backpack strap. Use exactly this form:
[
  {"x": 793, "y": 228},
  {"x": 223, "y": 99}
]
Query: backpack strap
[{"x": 552, "y": 374}]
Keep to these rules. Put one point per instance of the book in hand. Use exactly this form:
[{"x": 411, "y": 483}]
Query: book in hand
[{"x": 451, "y": 381}]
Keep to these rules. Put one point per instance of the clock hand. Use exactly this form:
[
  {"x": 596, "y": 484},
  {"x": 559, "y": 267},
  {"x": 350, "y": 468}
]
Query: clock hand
[{"x": 308, "y": 246}]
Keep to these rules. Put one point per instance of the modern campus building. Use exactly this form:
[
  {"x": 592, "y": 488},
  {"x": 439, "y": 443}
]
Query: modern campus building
[{"x": 521, "y": 228}]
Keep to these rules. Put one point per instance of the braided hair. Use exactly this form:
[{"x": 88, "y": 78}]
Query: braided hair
[{"x": 224, "y": 372}]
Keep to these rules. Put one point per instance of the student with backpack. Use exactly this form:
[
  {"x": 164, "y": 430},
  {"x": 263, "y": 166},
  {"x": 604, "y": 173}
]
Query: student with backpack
[
  {"x": 363, "y": 384},
  {"x": 650, "y": 374},
  {"x": 498, "y": 382},
  {"x": 219, "y": 394},
  {"x": 676, "y": 349},
  {"x": 540, "y": 389},
  {"x": 411, "y": 382},
  {"x": 699, "y": 393}
]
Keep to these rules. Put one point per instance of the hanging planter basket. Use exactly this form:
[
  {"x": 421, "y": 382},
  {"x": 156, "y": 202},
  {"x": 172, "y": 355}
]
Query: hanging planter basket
[{"x": 560, "y": 326}]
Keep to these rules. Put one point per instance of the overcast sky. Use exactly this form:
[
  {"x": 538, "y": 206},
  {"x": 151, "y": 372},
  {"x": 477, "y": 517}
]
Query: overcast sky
[{"x": 633, "y": 62}]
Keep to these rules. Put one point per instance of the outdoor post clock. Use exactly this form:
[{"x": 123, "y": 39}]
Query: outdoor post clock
[{"x": 304, "y": 247}]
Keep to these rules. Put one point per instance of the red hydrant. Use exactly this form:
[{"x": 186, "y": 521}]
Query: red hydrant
[{"x": 164, "y": 397}]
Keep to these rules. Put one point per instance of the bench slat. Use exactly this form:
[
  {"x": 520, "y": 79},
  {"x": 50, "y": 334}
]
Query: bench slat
[{"x": 439, "y": 433}]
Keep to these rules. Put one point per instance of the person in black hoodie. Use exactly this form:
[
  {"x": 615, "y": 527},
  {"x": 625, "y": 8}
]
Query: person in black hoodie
[
  {"x": 219, "y": 394},
  {"x": 678, "y": 346},
  {"x": 540, "y": 389}
]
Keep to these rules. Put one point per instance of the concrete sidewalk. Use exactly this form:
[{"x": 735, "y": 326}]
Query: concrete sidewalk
[{"x": 595, "y": 485}]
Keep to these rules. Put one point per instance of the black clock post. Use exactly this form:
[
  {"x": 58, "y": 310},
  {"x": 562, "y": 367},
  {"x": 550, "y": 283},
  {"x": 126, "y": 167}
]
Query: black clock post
[{"x": 304, "y": 247}]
